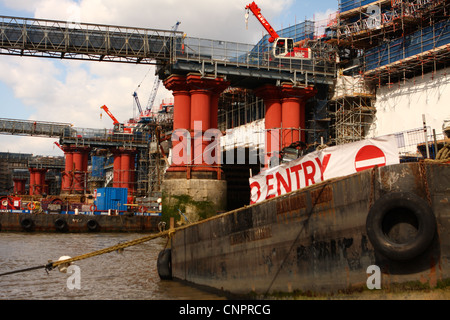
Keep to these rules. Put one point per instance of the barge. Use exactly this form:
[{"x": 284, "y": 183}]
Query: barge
[
  {"x": 108, "y": 210},
  {"x": 324, "y": 238},
  {"x": 24, "y": 221}
]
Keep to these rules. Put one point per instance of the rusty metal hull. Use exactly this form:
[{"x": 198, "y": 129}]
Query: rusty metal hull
[
  {"x": 315, "y": 239},
  {"x": 35, "y": 222}
]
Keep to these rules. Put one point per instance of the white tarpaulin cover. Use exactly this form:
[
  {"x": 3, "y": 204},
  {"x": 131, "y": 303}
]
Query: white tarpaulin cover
[{"x": 322, "y": 165}]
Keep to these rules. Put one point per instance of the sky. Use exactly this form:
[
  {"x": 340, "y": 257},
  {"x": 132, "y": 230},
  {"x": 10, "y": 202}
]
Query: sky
[{"x": 72, "y": 91}]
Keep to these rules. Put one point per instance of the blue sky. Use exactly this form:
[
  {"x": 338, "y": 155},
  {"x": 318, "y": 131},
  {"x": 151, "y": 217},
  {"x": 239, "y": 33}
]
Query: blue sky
[{"x": 73, "y": 91}]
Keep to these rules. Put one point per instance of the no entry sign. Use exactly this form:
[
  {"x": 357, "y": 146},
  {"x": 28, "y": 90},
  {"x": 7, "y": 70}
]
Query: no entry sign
[
  {"x": 369, "y": 157},
  {"x": 322, "y": 165}
]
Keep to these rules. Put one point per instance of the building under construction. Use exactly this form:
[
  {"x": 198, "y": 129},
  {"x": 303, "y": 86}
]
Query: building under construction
[{"x": 370, "y": 60}]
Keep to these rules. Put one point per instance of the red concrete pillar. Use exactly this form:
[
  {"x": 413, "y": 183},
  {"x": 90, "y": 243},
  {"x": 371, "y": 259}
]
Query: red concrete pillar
[
  {"x": 200, "y": 120},
  {"x": 41, "y": 176},
  {"x": 78, "y": 178},
  {"x": 67, "y": 176},
  {"x": 204, "y": 109},
  {"x": 272, "y": 99},
  {"x": 220, "y": 86},
  {"x": 117, "y": 167},
  {"x": 125, "y": 169},
  {"x": 293, "y": 113},
  {"x": 37, "y": 181},
  {"x": 32, "y": 181},
  {"x": 132, "y": 169},
  {"x": 19, "y": 186},
  {"x": 195, "y": 111},
  {"x": 181, "y": 120},
  {"x": 291, "y": 121}
]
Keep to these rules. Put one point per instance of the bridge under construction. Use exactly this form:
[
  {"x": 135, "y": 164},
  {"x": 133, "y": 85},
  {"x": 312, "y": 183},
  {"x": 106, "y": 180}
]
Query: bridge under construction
[{"x": 196, "y": 70}]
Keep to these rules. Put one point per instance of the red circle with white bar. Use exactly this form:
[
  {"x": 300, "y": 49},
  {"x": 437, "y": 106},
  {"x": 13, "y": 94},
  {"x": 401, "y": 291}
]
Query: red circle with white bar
[{"x": 369, "y": 157}]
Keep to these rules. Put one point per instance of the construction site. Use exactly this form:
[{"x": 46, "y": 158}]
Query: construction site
[{"x": 373, "y": 68}]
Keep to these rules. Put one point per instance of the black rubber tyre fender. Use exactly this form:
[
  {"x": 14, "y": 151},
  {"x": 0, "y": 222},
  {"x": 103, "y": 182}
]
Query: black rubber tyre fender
[
  {"x": 390, "y": 204},
  {"x": 93, "y": 225},
  {"x": 61, "y": 225},
  {"x": 164, "y": 264},
  {"x": 27, "y": 224}
]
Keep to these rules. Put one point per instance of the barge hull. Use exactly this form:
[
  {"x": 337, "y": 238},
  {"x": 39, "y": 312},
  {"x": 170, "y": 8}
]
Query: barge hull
[
  {"x": 81, "y": 223},
  {"x": 315, "y": 239}
]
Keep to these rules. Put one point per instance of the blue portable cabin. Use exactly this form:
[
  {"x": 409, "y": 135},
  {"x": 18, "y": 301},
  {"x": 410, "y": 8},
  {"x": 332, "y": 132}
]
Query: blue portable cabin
[{"x": 111, "y": 199}]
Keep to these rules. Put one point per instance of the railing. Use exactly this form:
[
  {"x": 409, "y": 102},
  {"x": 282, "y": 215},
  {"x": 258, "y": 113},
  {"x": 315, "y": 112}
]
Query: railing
[
  {"x": 66, "y": 40},
  {"x": 85, "y": 135},
  {"x": 34, "y": 128},
  {"x": 223, "y": 53},
  {"x": 413, "y": 143},
  {"x": 69, "y": 40}
]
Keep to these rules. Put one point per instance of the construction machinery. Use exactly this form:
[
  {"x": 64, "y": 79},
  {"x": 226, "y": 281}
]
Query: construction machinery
[
  {"x": 282, "y": 47},
  {"x": 118, "y": 127}
]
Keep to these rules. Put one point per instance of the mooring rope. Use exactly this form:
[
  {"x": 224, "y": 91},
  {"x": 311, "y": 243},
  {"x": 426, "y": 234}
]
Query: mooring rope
[
  {"x": 53, "y": 264},
  {"x": 119, "y": 246},
  {"x": 24, "y": 270}
]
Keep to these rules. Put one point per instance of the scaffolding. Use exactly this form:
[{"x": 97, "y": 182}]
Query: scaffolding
[
  {"x": 354, "y": 110},
  {"x": 382, "y": 43},
  {"x": 395, "y": 40}
]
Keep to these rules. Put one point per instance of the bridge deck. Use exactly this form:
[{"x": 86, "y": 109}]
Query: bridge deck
[
  {"x": 74, "y": 136},
  {"x": 243, "y": 64}
]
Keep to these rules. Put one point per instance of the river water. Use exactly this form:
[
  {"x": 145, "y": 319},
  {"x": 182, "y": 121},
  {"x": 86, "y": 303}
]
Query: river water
[{"x": 129, "y": 275}]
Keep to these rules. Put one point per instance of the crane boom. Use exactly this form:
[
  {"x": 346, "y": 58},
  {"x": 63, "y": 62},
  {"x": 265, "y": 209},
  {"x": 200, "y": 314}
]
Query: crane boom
[
  {"x": 115, "y": 121},
  {"x": 257, "y": 12},
  {"x": 283, "y": 48},
  {"x": 138, "y": 103},
  {"x": 152, "y": 97}
]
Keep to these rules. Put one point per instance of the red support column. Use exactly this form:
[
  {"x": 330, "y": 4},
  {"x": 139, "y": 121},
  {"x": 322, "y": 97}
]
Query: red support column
[
  {"x": 293, "y": 113},
  {"x": 204, "y": 108},
  {"x": 181, "y": 120},
  {"x": 272, "y": 99},
  {"x": 37, "y": 181},
  {"x": 285, "y": 116},
  {"x": 196, "y": 109},
  {"x": 32, "y": 181},
  {"x": 75, "y": 173},
  {"x": 78, "y": 178},
  {"x": 41, "y": 175},
  {"x": 125, "y": 168},
  {"x": 132, "y": 168},
  {"x": 67, "y": 176},
  {"x": 200, "y": 122},
  {"x": 19, "y": 186},
  {"x": 117, "y": 167}
]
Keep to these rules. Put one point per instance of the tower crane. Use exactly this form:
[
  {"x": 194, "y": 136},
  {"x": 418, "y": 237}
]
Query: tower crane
[{"x": 282, "y": 47}]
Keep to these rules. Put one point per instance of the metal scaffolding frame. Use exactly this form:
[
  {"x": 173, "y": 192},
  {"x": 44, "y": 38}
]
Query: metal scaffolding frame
[
  {"x": 383, "y": 42},
  {"x": 354, "y": 110},
  {"x": 405, "y": 38}
]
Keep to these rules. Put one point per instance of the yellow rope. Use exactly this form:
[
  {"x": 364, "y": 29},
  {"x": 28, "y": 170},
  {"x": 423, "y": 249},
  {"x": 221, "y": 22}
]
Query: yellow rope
[
  {"x": 119, "y": 246},
  {"x": 170, "y": 233}
]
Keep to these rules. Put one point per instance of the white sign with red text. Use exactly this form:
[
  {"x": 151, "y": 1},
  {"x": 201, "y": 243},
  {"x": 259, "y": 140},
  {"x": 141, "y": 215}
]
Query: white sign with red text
[{"x": 322, "y": 165}]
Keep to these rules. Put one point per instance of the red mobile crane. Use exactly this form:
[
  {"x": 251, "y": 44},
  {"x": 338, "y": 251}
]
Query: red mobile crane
[
  {"x": 118, "y": 127},
  {"x": 283, "y": 47}
]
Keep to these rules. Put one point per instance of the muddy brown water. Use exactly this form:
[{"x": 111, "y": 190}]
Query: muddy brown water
[{"x": 129, "y": 275}]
